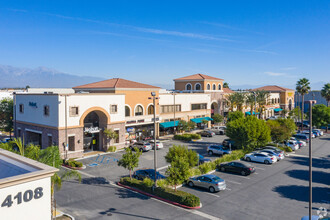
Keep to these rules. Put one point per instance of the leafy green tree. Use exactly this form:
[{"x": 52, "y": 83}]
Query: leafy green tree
[
  {"x": 288, "y": 124},
  {"x": 178, "y": 171},
  {"x": 6, "y": 115},
  {"x": 130, "y": 160},
  {"x": 183, "y": 126},
  {"x": 232, "y": 116},
  {"x": 303, "y": 88},
  {"x": 278, "y": 133},
  {"x": 32, "y": 151},
  {"x": 110, "y": 134},
  {"x": 295, "y": 113},
  {"x": 249, "y": 132},
  {"x": 226, "y": 85},
  {"x": 205, "y": 122},
  {"x": 325, "y": 92},
  {"x": 180, "y": 151},
  {"x": 217, "y": 118},
  {"x": 191, "y": 125},
  {"x": 321, "y": 115}
]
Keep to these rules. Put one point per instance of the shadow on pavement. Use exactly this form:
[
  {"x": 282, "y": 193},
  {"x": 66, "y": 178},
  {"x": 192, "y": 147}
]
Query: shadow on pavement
[
  {"x": 301, "y": 193},
  {"x": 317, "y": 162},
  {"x": 125, "y": 193},
  {"x": 318, "y": 176},
  {"x": 94, "y": 180},
  {"x": 112, "y": 211}
]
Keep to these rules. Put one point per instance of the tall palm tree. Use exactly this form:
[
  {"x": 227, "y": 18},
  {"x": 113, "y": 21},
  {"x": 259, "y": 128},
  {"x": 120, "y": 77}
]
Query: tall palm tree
[
  {"x": 262, "y": 97},
  {"x": 325, "y": 92},
  {"x": 240, "y": 100},
  {"x": 251, "y": 101},
  {"x": 232, "y": 101},
  {"x": 303, "y": 88}
]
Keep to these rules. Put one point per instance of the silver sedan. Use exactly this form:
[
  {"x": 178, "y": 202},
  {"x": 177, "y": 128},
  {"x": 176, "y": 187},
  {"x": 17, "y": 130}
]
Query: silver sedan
[{"x": 211, "y": 182}]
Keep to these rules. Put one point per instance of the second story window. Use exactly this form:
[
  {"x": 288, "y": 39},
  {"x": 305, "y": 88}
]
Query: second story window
[
  {"x": 113, "y": 109},
  {"x": 46, "y": 110},
  {"x": 74, "y": 111},
  {"x": 21, "y": 108},
  {"x": 138, "y": 110},
  {"x": 198, "y": 106}
]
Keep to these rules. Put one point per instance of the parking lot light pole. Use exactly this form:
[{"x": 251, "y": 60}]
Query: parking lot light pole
[
  {"x": 153, "y": 94},
  {"x": 311, "y": 102}
]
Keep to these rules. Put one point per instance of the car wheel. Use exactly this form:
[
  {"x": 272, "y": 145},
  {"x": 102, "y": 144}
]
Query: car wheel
[
  {"x": 243, "y": 173},
  {"x": 141, "y": 149},
  {"x": 211, "y": 189},
  {"x": 248, "y": 159},
  {"x": 191, "y": 184},
  {"x": 223, "y": 169},
  {"x": 266, "y": 162},
  {"x": 210, "y": 152}
]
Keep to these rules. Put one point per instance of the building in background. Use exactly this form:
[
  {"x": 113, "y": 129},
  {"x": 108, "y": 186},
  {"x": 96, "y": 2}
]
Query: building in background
[{"x": 312, "y": 95}]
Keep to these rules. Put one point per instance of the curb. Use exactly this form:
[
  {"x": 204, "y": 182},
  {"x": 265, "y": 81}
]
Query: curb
[{"x": 156, "y": 197}]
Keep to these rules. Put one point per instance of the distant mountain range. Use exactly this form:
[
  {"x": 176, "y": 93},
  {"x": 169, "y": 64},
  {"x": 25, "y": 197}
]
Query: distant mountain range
[{"x": 43, "y": 77}]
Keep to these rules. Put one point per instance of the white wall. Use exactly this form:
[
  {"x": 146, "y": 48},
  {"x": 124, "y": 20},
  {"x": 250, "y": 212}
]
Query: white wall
[
  {"x": 37, "y": 209},
  {"x": 185, "y": 99},
  {"x": 54, "y": 90},
  {"x": 36, "y": 114},
  {"x": 86, "y": 101}
]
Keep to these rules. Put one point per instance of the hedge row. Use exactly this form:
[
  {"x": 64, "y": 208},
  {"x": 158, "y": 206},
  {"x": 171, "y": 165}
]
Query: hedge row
[
  {"x": 187, "y": 137},
  {"x": 72, "y": 163},
  {"x": 178, "y": 196}
]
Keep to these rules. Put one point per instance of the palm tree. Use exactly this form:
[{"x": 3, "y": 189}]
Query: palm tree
[
  {"x": 225, "y": 85},
  {"x": 251, "y": 101},
  {"x": 325, "y": 92},
  {"x": 302, "y": 88},
  {"x": 232, "y": 101},
  {"x": 240, "y": 100},
  {"x": 262, "y": 97}
]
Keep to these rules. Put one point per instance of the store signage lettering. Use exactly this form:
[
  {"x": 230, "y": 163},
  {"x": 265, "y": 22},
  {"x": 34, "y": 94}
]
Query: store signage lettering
[
  {"x": 33, "y": 104},
  {"x": 91, "y": 129},
  {"x": 130, "y": 129},
  {"x": 20, "y": 197},
  {"x": 130, "y": 122},
  {"x": 141, "y": 120}
]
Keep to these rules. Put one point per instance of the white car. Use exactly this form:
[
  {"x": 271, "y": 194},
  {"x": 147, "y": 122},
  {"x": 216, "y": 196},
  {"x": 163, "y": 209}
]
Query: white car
[
  {"x": 279, "y": 156},
  {"x": 159, "y": 144},
  {"x": 319, "y": 130},
  {"x": 301, "y": 143},
  {"x": 292, "y": 144},
  {"x": 218, "y": 129},
  {"x": 260, "y": 157},
  {"x": 307, "y": 133}
]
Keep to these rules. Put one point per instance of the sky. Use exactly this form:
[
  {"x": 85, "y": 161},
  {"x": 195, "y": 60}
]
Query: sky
[{"x": 243, "y": 42}]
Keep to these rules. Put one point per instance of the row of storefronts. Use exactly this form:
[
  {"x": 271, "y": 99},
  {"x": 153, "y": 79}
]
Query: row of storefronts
[{"x": 76, "y": 120}]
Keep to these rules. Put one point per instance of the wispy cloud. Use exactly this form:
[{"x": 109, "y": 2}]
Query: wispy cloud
[
  {"x": 17, "y": 10},
  {"x": 261, "y": 51},
  {"x": 289, "y": 68},
  {"x": 275, "y": 74},
  {"x": 230, "y": 27}
]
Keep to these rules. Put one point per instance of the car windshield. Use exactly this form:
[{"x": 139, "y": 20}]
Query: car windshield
[
  {"x": 225, "y": 148},
  {"x": 216, "y": 179}
]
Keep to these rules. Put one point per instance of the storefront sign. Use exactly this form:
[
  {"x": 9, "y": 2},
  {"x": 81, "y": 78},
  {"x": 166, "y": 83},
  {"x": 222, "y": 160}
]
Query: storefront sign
[
  {"x": 91, "y": 129},
  {"x": 140, "y": 121},
  {"x": 130, "y": 129},
  {"x": 131, "y": 122},
  {"x": 33, "y": 104}
]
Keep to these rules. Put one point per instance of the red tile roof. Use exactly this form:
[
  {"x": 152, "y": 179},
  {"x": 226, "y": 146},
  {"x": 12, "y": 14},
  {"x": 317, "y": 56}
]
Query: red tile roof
[
  {"x": 198, "y": 76},
  {"x": 227, "y": 90},
  {"x": 116, "y": 83},
  {"x": 273, "y": 88}
]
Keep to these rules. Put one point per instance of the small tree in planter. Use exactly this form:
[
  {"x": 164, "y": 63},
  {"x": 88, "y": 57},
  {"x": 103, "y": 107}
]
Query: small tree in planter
[
  {"x": 217, "y": 118},
  {"x": 183, "y": 125},
  {"x": 130, "y": 160},
  {"x": 204, "y": 122},
  {"x": 110, "y": 134},
  {"x": 191, "y": 125},
  {"x": 178, "y": 172}
]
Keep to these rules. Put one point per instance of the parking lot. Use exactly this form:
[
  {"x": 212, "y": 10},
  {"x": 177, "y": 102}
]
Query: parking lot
[{"x": 278, "y": 191}]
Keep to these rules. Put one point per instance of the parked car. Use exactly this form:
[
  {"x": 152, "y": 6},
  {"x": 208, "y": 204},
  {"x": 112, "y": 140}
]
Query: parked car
[
  {"x": 260, "y": 157},
  {"x": 208, "y": 181},
  {"x": 141, "y": 174},
  {"x": 159, "y": 144},
  {"x": 242, "y": 168},
  {"x": 292, "y": 144},
  {"x": 207, "y": 133},
  {"x": 278, "y": 150},
  {"x": 141, "y": 145},
  {"x": 218, "y": 149},
  {"x": 320, "y": 131},
  {"x": 302, "y": 137},
  {"x": 5, "y": 140},
  {"x": 300, "y": 142},
  {"x": 305, "y": 125},
  {"x": 219, "y": 129},
  {"x": 306, "y": 132},
  {"x": 228, "y": 141},
  {"x": 202, "y": 159},
  {"x": 279, "y": 156}
]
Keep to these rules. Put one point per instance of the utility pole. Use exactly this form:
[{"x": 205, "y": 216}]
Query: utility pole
[
  {"x": 153, "y": 94},
  {"x": 66, "y": 129},
  {"x": 174, "y": 108}
]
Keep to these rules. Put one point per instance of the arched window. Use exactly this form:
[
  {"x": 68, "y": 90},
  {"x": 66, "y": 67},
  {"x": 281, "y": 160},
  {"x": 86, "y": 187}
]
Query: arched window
[
  {"x": 219, "y": 87},
  {"x": 273, "y": 101},
  {"x": 278, "y": 100},
  {"x": 188, "y": 86},
  {"x": 208, "y": 87},
  {"x": 151, "y": 109},
  {"x": 214, "y": 87},
  {"x": 127, "y": 111},
  {"x": 197, "y": 86},
  {"x": 138, "y": 110}
]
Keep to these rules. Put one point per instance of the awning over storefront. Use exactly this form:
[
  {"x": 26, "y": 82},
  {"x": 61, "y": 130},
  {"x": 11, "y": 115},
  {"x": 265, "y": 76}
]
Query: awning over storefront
[
  {"x": 253, "y": 113},
  {"x": 199, "y": 120},
  {"x": 278, "y": 109},
  {"x": 168, "y": 124}
]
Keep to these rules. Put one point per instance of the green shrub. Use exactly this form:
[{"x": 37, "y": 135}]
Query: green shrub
[
  {"x": 72, "y": 163},
  {"x": 178, "y": 196},
  {"x": 205, "y": 167},
  {"x": 112, "y": 149},
  {"x": 286, "y": 149},
  {"x": 195, "y": 136},
  {"x": 148, "y": 182},
  {"x": 194, "y": 172},
  {"x": 187, "y": 137},
  {"x": 162, "y": 183}
]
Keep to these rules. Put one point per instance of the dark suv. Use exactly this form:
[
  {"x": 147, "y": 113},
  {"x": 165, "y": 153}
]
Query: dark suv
[{"x": 226, "y": 143}]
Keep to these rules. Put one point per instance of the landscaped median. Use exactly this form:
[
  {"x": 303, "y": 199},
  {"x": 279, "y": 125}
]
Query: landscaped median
[
  {"x": 179, "y": 198},
  {"x": 187, "y": 137}
]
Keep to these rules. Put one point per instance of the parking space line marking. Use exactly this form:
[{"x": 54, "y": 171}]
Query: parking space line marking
[
  {"x": 259, "y": 168},
  {"x": 256, "y": 173},
  {"x": 161, "y": 168},
  {"x": 228, "y": 189},
  {"x": 213, "y": 195},
  {"x": 202, "y": 214},
  {"x": 233, "y": 182},
  {"x": 243, "y": 177}
]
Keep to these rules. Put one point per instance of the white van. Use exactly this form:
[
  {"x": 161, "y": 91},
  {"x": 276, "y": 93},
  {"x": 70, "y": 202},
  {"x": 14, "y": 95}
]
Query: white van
[{"x": 219, "y": 129}]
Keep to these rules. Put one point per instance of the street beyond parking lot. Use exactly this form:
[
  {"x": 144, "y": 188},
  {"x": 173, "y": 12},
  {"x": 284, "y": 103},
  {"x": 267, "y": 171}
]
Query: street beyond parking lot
[{"x": 278, "y": 191}]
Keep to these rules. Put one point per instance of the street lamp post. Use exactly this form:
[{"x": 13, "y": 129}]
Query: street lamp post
[
  {"x": 174, "y": 108},
  {"x": 255, "y": 103},
  {"x": 153, "y": 94},
  {"x": 311, "y": 102}
]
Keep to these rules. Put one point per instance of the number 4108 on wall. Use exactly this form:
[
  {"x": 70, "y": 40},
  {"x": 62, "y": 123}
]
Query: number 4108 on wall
[{"x": 20, "y": 197}]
